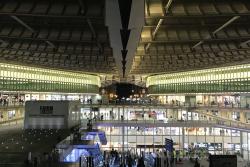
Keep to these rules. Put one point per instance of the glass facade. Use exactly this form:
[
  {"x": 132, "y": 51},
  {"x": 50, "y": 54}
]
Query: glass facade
[
  {"x": 141, "y": 131},
  {"x": 224, "y": 79},
  {"x": 23, "y": 78}
]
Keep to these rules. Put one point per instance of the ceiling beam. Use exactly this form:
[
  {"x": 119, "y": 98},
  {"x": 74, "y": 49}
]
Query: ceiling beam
[
  {"x": 226, "y": 24},
  {"x": 83, "y": 7},
  {"x": 6, "y": 38},
  {"x": 94, "y": 35},
  {"x": 200, "y": 41},
  {"x": 201, "y": 16},
  {"x": 216, "y": 31},
  {"x": 245, "y": 43},
  {"x": 50, "y": 44},
  {"x": 147, "y": 11},
  {"x": 93, "y": 32},
  {"x": 2, "y": 41},
  {"x": 35, "y": 49},
  {"x": 167, "y": 53},
  {"x": 154, "y": 33},
  {"x": 23, "y": 23},
  {"x": 30, "y": 29},
  {"x": 80, "y": 17},
  {"x": 166, "y": 9},
  {"x": 31, "y": 52},
  {"x": 198, "y": 25}
]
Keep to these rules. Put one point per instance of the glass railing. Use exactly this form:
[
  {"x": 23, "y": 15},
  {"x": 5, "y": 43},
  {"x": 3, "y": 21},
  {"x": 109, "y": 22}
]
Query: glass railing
[
  {"x": 216, "y": 122},
  {"x": 178, "y": 105}
]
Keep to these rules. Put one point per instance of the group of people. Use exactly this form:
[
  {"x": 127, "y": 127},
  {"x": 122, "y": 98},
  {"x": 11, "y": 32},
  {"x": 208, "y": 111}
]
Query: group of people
[
  {"x": 154, "y": 159},
  {"x": 4, "y": 102},
  {"x": 46, "y": 159},
  {"x": 115, "y": 158}
]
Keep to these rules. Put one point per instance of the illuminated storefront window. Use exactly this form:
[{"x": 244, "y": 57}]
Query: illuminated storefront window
[
  {"x": 224, "y": 79},
  {"x": 24, "y": 78}
]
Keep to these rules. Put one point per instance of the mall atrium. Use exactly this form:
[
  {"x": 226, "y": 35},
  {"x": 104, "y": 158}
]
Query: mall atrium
[{"x": 184, "y": 66}]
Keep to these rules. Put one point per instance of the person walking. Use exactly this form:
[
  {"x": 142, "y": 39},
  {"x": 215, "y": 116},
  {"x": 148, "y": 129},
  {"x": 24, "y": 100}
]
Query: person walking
[
  {"x": 29, "y": 158},
  {"x": 141, "y": 162},
  {"x": 174, "y": 156},
  {"x": 197, "y": 164},
  {"x": 169, "y": 159}
]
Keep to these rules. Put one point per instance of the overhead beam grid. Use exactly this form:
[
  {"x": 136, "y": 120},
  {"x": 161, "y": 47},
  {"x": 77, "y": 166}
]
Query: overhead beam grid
[
  {"x": 190, "y": 36},
  {"x": 63, "y": 35}
]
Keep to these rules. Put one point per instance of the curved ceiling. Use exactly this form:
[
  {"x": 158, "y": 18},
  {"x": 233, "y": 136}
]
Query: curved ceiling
[
  {"x": 68, "y": 34},
  {"x": 177, "y": 35},
  {"x": 185, "y": 35}
]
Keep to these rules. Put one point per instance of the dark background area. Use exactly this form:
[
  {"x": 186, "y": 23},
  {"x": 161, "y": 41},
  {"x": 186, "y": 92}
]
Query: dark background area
[{"x": 125, "y": 90}]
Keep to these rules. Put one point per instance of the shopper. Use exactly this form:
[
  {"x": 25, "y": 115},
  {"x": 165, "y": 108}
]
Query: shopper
[
  {"x": 175, "y": 156},
  {"x": 129, "y": 161},
  {"x": 141, "y": 162},
  {"x": 30, "y": 157},
  {"x": 169, "y": 159},
  {"x": 35, "y": 162},
  {"x": 197, "y": 164}
]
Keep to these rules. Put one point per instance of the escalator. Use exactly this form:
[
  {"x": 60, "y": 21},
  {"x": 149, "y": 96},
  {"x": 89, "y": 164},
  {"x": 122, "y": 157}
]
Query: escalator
[{"x": 83, "y": 148}]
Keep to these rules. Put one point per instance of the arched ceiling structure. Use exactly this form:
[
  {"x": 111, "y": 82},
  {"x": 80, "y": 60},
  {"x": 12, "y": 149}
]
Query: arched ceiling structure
[
  {"x": 63, "y": 34},
  {"x": 185, "y": 35},
  {"x": 174, "y": 35}
]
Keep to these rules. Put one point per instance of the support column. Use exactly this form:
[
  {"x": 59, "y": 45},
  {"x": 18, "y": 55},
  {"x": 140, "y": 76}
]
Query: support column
[
  {"x": 41, "y": 96},
  {"x": 243, "y": 117},
  {"x": 215, "y": 99},
  {"x": 192, "y": 115},
  {"x": 112, "y": 109},
  {"x": 244, "y": 101},
  {"x": 190, "y": 100},
  {"x": 214, "y": 140},
  {"x": 91, "y": 114},
  {"x": 183, "y": 139},
  {"x": 241, "y": 142},
  {"x": 231, "y": 138},
  {"x": 123, "y": 138},
  {"x": 223, "y": 135},
  {"x": 154, "y": 137},
  {"x": 119, "y": 114},
  {"x": 205, "y": 129},
  {"x": 18, "y": 97},
  {"x": 143, "y": 113},
  {"x": 99, "y": 114},
  {"x": 222, "y": 114},
  {"x": 248, "y": 147}
]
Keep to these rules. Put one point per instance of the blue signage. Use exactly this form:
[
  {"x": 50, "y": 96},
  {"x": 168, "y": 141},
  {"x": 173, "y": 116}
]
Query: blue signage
[{"x": 169, "y": 144}]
